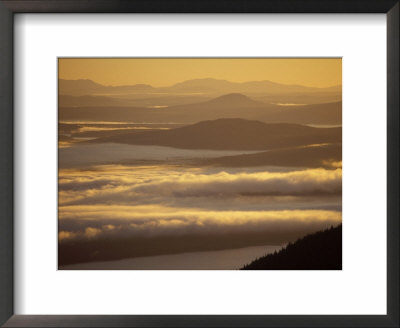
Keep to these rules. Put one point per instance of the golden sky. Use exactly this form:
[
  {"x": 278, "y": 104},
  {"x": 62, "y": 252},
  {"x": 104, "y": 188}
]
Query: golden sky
[{"x": 315, "y": 72}]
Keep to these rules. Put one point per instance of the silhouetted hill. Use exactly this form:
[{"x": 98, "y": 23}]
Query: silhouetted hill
[
  {"x": 233, "y": 100},
  {"x": 227, "y": 101},
  {"x": 231, "y": 134},
  {"x": 325, "y": 156},
  {"x": 319, "y": 251}
]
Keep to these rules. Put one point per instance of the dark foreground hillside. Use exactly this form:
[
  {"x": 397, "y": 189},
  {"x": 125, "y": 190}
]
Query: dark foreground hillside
[{"x": 319, "y": 251}]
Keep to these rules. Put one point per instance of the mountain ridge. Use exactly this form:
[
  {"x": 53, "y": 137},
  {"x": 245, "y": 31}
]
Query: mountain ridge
[
  {"x": 77, "y": 87},
  {"x": 231, "y": 105},
  {"x": 223, "y": 134}
]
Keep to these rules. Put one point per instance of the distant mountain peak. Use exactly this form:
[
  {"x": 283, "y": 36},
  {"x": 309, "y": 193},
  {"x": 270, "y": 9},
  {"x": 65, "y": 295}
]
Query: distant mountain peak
[
  {"x": 234, "y": 100},
  {"x": 234, "y": 96}
]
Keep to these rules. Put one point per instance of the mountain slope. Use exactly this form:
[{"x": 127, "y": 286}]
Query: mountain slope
[
  {"x": 319, "y": 251},
  {"x": 231, "y": 134}
]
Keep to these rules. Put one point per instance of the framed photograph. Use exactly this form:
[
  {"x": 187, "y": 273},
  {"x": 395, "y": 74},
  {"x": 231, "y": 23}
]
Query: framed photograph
[{"x": 190, "y": 164}]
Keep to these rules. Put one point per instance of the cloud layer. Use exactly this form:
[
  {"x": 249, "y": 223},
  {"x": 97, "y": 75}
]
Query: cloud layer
[
  {"x": 102, "y": 220},
  {"x": 135, "y": 186},
  {"x": 112, "y": 201}
]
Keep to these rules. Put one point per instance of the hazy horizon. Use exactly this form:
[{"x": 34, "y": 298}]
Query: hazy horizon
[
  {"x": 315, "y": 72},
  {"x": 201, "y": 78}
]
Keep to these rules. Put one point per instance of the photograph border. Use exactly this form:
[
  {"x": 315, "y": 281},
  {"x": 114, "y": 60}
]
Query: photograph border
[{"x": 10, "y": 7}]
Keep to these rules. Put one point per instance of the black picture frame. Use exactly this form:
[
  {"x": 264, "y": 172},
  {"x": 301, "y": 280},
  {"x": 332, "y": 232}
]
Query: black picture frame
[{"x": 7, "y": 10}]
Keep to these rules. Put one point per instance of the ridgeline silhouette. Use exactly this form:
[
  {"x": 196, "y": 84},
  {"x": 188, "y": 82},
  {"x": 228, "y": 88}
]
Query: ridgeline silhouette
[
  {"x": 207, "y": 85},
  {"x": 199, "y": 100},
  {"x": 230, "y": 134},
  {"x": 319, "y": 251}
]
